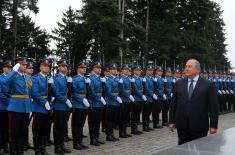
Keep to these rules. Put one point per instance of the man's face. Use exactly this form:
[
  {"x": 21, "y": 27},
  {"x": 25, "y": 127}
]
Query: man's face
[
  {"x": 137, "y": 72},
  {"x": 97, "y": 70},
  {"x": 168, "y": 73},
  {"x": 82, "y": 70},
  {"x": 159, "y": 72},
  {"x": 22, "y": 68},
  {"x": 6, "y": 70},
  {"x": 45, "y": 69},
  {"x": 149, "y": 72},
  {"x": 29, "y": 71},
  {"x": 126, "y": 71},
  {"x": 113, "y": 71},
  {"x": 63, "y": 69},
  {"x": 176, "y": 74},
  {"x": 190, "y": 69}
]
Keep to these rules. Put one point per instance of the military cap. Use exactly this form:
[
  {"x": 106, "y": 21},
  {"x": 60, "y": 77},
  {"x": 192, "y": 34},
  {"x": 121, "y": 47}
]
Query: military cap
[
  {"x": 21, "y": 60},
  {"x": 97, "y": 64},
  {"x": 45, "y": 61},
  {"x": 7, "y": 63},
  {"x": 62, "y": 62},
  {"x": 82, "y": 64}
]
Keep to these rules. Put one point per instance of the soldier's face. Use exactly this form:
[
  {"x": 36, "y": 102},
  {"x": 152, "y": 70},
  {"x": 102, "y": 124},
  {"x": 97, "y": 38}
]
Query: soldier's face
[
  {"x": 168, "y": 73},
  {"x": 63, "y": 69},
  {"x": 22, "y": 68},
  {"x": 45, "y": 69},
  {"x": 82, "y": 70},
  {"x": 176, "y": 74},
  {"x": 137, "y": 72},
  {"x": 149, "y": 72},
  {"x": 126, "y": 71},
  {"x": 97, "y": 70},
  {"x": 113, "y": 71},
  {"x": 6, "y": 70},
  {"x": 29, "y": 71},
  {"x": 159, "y": 72},
  {"x": 106, "y": 73}
]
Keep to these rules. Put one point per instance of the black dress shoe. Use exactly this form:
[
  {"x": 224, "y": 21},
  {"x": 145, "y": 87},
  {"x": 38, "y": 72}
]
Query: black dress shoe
[
  {"x": 123, "y": 135},
  {"x": 94, "y": 142},
  {"x": 158, "y": 126},
  {"x": 58, "y": 150},
  {"x": 128, "y": 135},
  {"x": 110, "y": 138},
  {"x": 99, "y": 141},
  {"x": 67, "y": 139},
  {"x": 84, "y": 147},
  {"x": 146, "y": 129},
  {"x": 115, "y": 139},
  {"x": 65, "y": 149},
  {"x": 77, "y": 146}
]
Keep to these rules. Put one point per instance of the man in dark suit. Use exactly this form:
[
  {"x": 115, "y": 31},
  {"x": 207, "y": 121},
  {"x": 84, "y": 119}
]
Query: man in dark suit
[{"x": 194, "y": 108}]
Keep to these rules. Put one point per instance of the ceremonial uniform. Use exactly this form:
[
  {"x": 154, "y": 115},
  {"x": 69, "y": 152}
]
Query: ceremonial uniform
[
  {"x": 80, "y": 108},
  {"x": 41, "y": 113},
  {"x": 97, "y": 103},
  {"x": 61, "y": 107}
]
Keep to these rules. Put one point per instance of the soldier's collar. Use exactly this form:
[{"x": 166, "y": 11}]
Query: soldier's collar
[
  {"x": 21, "y": 74},
  {"x": 63, "y": 75},
  {"x": 80, "y": 75},
  {"x": 96, "y": 75}
]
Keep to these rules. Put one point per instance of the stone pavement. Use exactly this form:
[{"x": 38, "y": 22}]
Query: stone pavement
[{"x": 147, "y": 143}]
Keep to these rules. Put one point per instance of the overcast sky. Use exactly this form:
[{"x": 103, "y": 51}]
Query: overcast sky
[{"x": 50, "y": 11}]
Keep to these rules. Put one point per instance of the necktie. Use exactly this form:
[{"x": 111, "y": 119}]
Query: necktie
[{"x": 190, "y": 90}]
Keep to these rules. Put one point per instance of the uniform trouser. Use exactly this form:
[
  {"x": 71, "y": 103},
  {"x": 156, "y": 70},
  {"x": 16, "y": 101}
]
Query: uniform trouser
[
  {"x": 94, "y": 119},
  {"x": 125, "y": 110},
  {"x": 135, "y": 114},
  {"x": 26, "y": 137},
  {"x": 3, "y": 128},
  {"x": 156, "y": 110},
  {"x": 146, "y": 113},
  {"x": 104, "y": 118},
  {"x": 41, "y": 121},
  {"x": 60, "y": 121},
  {"x": 165, "y": 109},
  {"x": 66, "y": 127},
  {"x": 18, "y": 123},
  {"x": 230, "y": 100},
  {"x": 112, "y": 113},
  {"x": 48, "y": 130},
  {"x": 78, "y": 121},
  {"x": 220, "y": 98},
  {"x": 224, "y": 102}
]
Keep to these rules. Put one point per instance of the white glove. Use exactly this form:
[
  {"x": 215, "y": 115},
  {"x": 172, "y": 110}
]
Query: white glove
[
  {"x": 16, "y": 67},
  {"x": 144, "y": 98},
  {"x": 154, "y": 96},
  {"x": 227, "y": 92},
  {"x": 155, "y": 79},
  {"x": 50, "y": 80},
  {"x": 103, "y": 101},
  {"x": 70, "y": 79},
  {"x": 173, "y": 80},
  {"x": 69, "y": 104},
  {"x": 231, "y": 91},
  {"x": 219, "y": 91},
  {"x": 52, "y": 99},
  {"x": 47, "y": 106},
  {"x": 223, "y": 92},
  {"x": 119, "y": 100},
  {"x": 164, "y": 96},
  {"x": 165, "y": 80},
  {"x": 144, "y": 80},
  {"x": 131, "y": 98},
  {"x": 171, "y": 94},
  {"x": 121, "y": 81},
  {"x": 88, "y": 80},
  {"x": 103, "y": 80},
  {"x": 133, "y": 80},
  {"x": 85, "y": 102}
]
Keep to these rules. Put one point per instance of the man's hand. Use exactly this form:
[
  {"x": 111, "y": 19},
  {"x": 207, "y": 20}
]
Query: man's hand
[
  {"x": 172, "y": 127},
  {"x": 213, "y": 130}
]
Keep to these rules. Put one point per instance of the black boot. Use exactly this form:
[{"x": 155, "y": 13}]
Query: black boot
[
  {"x": 109, "y": 137},
  {"x": 145, "y": 128},
  {"x": 65, "y": 149},
  {"x": 122, "y": 134},
  {"x": 94, "y": 142},
  {"x": 58, "y": 150},
  {"x": 99, "y": 141},
  {"x": 77, "y": 146}
]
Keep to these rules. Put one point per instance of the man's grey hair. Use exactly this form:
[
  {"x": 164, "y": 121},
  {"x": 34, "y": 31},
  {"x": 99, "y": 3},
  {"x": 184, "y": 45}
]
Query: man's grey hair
[{"x": 197, "y": 64}]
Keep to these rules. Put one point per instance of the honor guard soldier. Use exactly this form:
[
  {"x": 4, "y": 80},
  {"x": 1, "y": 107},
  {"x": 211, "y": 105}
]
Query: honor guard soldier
[
  {"x": 159, "y": 88},
  {"x": 4, "y": 100},
  {"x": 127, "y": 99},
  {"x": 139, "y": 97},
  {"x": 233, "y": 90},
  {"x": 113, "y": 102},
  {"x": 41, "y": 106},
  {"x": 80, "y": 105},
  {"x": 149, "y": 93},
  {"x": 29, "y": 72},
  {"x": 19, "y": 106},
  {"x": 61, "y": 107},
  {"x": 216, "y": 82},
  {"x": 169, "y": 94},
  {"x": 97, "y": 103}
]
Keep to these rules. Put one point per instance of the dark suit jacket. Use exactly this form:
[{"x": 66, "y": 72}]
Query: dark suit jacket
[{"x": 198, "y": 113}]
